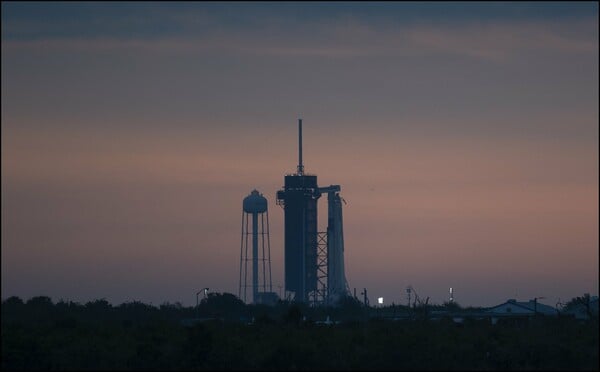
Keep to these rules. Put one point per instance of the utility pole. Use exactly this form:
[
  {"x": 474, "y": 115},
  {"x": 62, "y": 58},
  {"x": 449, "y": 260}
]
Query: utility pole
[{"x": 365, "y": 298}]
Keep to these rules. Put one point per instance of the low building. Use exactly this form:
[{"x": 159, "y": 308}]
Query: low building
[{"x": 518, "y": 309}]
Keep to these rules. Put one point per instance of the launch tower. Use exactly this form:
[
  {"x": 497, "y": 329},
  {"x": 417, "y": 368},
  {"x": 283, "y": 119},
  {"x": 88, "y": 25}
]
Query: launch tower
[{"x": 314, "y": 261}]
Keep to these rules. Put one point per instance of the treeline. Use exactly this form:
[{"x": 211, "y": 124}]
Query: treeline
[{"x": 224, "y": 333}]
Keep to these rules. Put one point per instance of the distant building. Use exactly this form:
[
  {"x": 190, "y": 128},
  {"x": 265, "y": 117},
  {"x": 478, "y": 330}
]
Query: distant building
[{"x": 517, "y": 309}]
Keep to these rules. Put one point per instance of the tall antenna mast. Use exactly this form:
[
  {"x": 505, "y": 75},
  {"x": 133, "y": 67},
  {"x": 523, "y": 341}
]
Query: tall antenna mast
[{"x": 300, "y": 166}]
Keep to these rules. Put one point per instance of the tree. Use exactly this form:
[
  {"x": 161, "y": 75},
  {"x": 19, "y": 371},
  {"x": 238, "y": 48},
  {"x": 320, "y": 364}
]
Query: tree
[
  {"x": 40, "y": 302},
  {"x": 13, "y": 301},
  {"x": 580, "y": 301},
  {"x": 225, "y": 305}
]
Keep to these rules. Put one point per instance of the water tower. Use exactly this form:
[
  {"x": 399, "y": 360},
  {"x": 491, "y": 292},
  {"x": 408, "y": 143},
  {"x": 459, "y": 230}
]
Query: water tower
[{"x": 254, "y": 208}]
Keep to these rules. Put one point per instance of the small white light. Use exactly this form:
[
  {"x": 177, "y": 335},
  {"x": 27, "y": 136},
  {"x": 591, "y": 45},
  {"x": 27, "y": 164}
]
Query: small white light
[{"x": 380, "y": 300}]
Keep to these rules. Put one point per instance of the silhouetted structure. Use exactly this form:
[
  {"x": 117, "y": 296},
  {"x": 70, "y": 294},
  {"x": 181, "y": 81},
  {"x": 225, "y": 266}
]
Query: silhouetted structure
[
  {"x": 255, "y": 206},
  {"x": 314, "y": 261}
]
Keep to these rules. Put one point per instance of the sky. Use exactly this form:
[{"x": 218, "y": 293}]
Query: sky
[{"x": 464, "y": 137}]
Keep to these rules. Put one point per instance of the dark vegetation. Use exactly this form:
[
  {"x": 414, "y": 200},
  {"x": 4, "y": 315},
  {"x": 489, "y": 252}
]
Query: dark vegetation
[{"x": 39, "y": 334}]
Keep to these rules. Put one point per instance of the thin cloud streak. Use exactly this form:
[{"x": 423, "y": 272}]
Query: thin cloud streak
[{"x": 490, "y": 41}]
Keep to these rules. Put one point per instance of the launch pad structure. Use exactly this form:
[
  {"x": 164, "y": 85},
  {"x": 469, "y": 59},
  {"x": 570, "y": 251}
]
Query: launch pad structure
[{"x": 314, "y": 261}]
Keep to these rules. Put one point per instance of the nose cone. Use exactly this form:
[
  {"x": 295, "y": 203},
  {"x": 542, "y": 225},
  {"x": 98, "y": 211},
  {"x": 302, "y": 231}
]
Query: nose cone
[{"x": 255, "y": 203}]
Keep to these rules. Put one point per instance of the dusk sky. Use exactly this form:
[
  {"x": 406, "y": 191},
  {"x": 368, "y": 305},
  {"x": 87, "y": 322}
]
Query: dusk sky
[{"x": 464, "y": 137}]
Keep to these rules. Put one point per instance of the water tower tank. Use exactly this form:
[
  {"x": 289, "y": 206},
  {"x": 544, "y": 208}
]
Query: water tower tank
[{"x": 255, "y": 203}]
